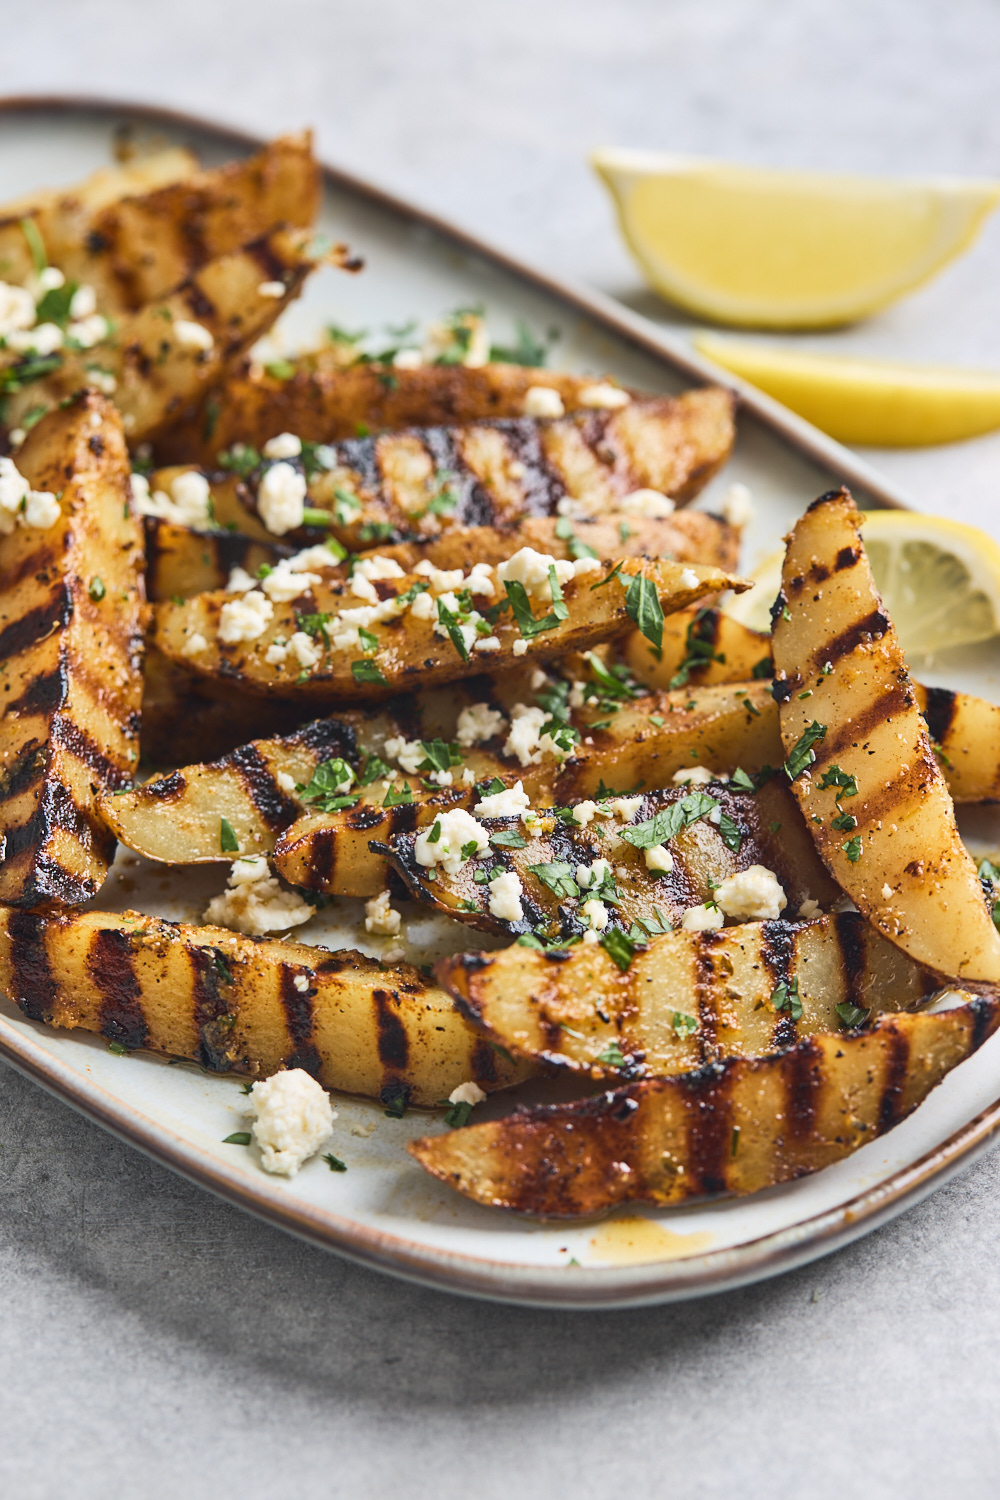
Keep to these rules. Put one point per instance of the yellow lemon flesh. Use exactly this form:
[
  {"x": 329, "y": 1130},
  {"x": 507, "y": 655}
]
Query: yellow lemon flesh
[
  {"x": 756, "y": 247},
  {"x": 870, "y": 401},
  {"x": 939, "y": 580}
]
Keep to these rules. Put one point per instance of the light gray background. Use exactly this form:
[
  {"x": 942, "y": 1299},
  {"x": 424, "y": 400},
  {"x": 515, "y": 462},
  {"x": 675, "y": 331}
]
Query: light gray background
[{"x": 156, "y": 1343}]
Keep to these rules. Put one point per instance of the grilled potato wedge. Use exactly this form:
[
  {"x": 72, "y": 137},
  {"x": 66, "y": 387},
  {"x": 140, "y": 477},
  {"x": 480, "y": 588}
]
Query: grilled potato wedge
[
  {"x": 688, "y": 999},
  {"x": 863, "y": 767},
  {"x": 156, "y": 370},
  {"x": 420, "y": 481},
  {"x": 142, "y": 245},
  {"x": 71, "y": 652},
  {"x": 705, "y": 645},
  {"x": 231, "y": 1003},
  {"x": 181, "y": 562},
  {"x": 734, "y": 1127},
  {"x": 64, "y": 216},
  {"x": 330, "y": 404},
  {"x": 644, "y": 745},
  {"x": 405, "y": 649},
  {"x": 554, "y": 860}
]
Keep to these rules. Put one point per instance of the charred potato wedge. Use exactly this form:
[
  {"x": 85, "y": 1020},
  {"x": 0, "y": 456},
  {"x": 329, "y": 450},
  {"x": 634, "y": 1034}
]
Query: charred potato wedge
[
  {"x": 396, "y": 652},
  {"x": 700, "y": 646},
  {"x": 71, "y": 651},
  {"x": 689, "y": 999},
  {"x": 181, "y": 562},
  {"x": 553, "y": 860},
  {"x": 231, "y": 1003},
  {"x": 733, "y": 1128},
  {"x": 861, "y": 761}
]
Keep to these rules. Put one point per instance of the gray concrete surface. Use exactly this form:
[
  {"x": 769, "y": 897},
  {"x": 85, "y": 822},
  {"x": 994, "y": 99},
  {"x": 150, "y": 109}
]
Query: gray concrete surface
[{"x": 154, "y": 1343}]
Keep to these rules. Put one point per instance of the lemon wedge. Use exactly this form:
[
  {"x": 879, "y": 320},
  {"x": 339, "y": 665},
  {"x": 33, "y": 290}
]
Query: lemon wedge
[
  {"x": 761, "y": 248},
  {"x": 873, "y": 401},
  {"x": 939, "y": 579}
]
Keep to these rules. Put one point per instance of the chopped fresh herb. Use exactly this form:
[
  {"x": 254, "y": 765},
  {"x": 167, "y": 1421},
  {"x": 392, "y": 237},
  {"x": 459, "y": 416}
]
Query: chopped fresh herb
[
  {"x": 445, "y": 499},
  {"x": 434, "y": 837},
  {"x": 558, "y": 876},
  {"x": 615, "y": 573},
  {"x": 741, "y": 782},
  {"x": 280, "y": 369},
  {"x": 368, "y": 639},
  {"x": 642, "y": 605},
  {"x": 367, "y": 671},
  {"x": 315, "y": 625},
  {"x": 523, "y": 614},
  {"x": 313, "y": 515},
  {"x": 345, "y": 505},
  {"x": 527, "y": 350},
  {"x": 453, "y": 624},
  {"x": 223, "y": 970},
  {"x": 730, "y": 832},
  {"x": 458, "y": 1114},
  {"x": 826, "y": 668},
  {"x": 619, "y": 947},
  {"x": 397, "y": 798},
  {"x": 96, "y": 590},
  {"x": 395, "y": 1097},
  {"x": 376, "y": 531},
  {"x": 656, "y": 719},
  {"x": 35, "y": 244},
  {"x": 668, "y": 821},
  {"x": 853, "y": 848},
  {"x": 624, "y": 532},
  {"x": 750, "y": 707},
  {"x": 844, "y": 822},
  {"x": 698, "y": 646},
  {"x": 847, "y": 786},
  {"x": 684, "y": 1025},
  {"x": 326, "y": 789},
  {"x": 803, "y": 754},
  {"x": 612, "y": 1056},
  {"x": 334, "y": 1163},
  {"x": 763, "y": 669},
  {"x": 574, "y": 546},
  {"x": 240, "y": 459},
  {"x": 238, "y": 1138},
  {"x": 851, "y": 1016},
  {"x": 54, "y": 306},
  {"x": 372, "y": 768},
  {"x": 228, "y": 842},
  {"x": 439, "y": 756},
  {"x": 508, "y": 838},
  {"x": 32, "y": 367},
  {"x": 490, "y": 788},
  {"x": 734, "y": 1140},
  {"x": 246, "y": 1088},
  {"x": 119, "y": 1049},
  {"x": 614, "y": 682},
  {"x": 528, "y": 940},
  {"x": 807, "y": 694},
  {"x": 467, "y": 851},
  {"x": 786, "y": 997},
  {"x": 420, "y": 587},
  {"x": 774, "y": 827}
]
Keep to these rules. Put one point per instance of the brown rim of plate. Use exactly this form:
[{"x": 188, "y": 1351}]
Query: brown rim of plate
[{"x": 556, "y": 1287}]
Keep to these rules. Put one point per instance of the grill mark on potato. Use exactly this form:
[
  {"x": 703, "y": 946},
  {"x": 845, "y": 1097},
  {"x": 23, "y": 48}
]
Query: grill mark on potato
[
  {"x": 28, "y": 768},
  {"x": 939, "y": 712},
  {"x": 210, "y": 1013},
  {"x": 871, "y": 626},
  {"x": 43, "y": 695},
  {"x": 69, "y": 736},
  {"x": 802, "y": 1077},
  {"x": 37, "y": 624},
  {"x": 474, "y": 504},
  {"x": 328, "y": 738},
  {"x": 541, "y": 487},
  {"x": 110, "y": 966},
  {"x": 849, "y": 932},
  {"x": 877, "y": 806},
  {"x": 30, "y": 967},
  {"x": 166, "y": 788},
  {"x": 322, "y": 844},
  {"x": 858, "y": 729},
  {"x": 891, "y": 1105},
  {"x": 484, "y": 1063},
  {"x": 300, "y": 1020},
  {"x": 777, "y": 952},
  {"x": 276, "y": 810},
  {"x": 709, "y": 1121},
  {"x": 393, "y": 1043}
]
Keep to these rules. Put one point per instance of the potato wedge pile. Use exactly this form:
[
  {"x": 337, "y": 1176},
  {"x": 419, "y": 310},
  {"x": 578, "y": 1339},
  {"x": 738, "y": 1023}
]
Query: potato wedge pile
[{"x": 424, "y": 624}]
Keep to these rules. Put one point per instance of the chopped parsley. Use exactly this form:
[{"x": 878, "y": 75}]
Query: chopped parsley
[
  {"x": 228, "y": 842},
  {"x": 612, "y": 1056},
  {"x": 323, "y": 789},
  {"x": 96, "y": 590},
  {"x": 372, "y": 769},
  {"x": 699, "y": 646},
  {"x": 458, "y": 1114},
  {"x": 398, "y": 798},
  {"x": 786, "y": 997},
  {"x": 527, "y": 349},
  {"x": 334, "y": 1163},
  {"x": 367, "y": 671},
  {"x": 642, "y": 605},
  {"x": 662, "y": 826},
  {"x": 684, "y": 1025},
  {"x": 238, "y": 1138},
  {"x": 523, "y": 613},
  {"x": 619, "y": 947},
  {"x": 853, "y": 848},
  {"x": 574, "y": 546},
  {"x": 508, "y": 838},
  {"x": 803, "y": 754},
  {"x": 851, "y": 1016},
  {"x": 557, "y": 875}
]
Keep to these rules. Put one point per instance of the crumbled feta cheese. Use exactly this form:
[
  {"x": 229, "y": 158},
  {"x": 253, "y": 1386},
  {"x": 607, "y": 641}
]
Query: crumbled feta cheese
[
  {"x": 443, "y": 842},
  {"x": 808, "y": 908},
  {"x": 370, "y": 568},
  {"x": 285, "y": 582},
  {"x": 294, "y": 1118},
  {"x": 441, "y": 580},
  {"x": 83, "y": 303},
  {"x": 520, "y": 647},
  {"x": 593, "y": 874},
  {"x": 440, "y": 340},
  {"x": 689, "y": 579},
  {"x": 586, "y": 565},
  {"x": 510, "y": 803},
  {"x": 191, "y": 494},
  {"x": 477, "y": 723},
  {"x": 194, "y": 645},
  {"x": 531, "y": 569},
  {"x": 409, "y": 754},
  {"x": 17, "y": 309},
  {"x": 102, "y": 379},
  {"x": 626, "y": 807},
  {"x": 584, "y": 812},
  {"x": 88, "y": 331},
  {"x": 659, "y": 858},
  {"x": 20, "y": 503},
  {"x": 255, "y": 903},
  {"x": 304, "y": 649},
  {"x": 523, "y": 740},
  {"x": 41, "y": 510},
  {"x": 752, "y": 895},
  {"x": 506, "y": 891},
  {"x": 15, "y": 438},
  {"x": 44, "y": 338},
  {"x": 287, "y": 783},
  {"x": 887, "y": 893},
  {"x": 240, "y": 582},
  {"x": 647, "y": 503},
  {"x": 590, "y": 938},
  {"x": 277, "y": 653},
  {"x": 596, "y": 913},
  {"x": 702, "y": 919},
  {"x": 245, "y": 619},
  {"x": 281, "y": 498},
  {"x": 737, "y": 505},
  {"x": 542, "y": 401},
  {"x": 487, "y": 643},
  {"x": 468, "y": 776},
  {"x": 480, "y": 582},
  {"x": 604, "y": 394},
  {"x": 285, "y": 445},
  {"x": 694, "y": 776},
  {"x": 407, "y": 359},
  {"x": 423, "y": 608},
  {"x": 301, "y": 983},
  {"x": 467, "y": 1093},
  {"x": 273, "y": 289},
  {"x": 381, "y": 917},
  {"x": 50, "y": 279},
  {"x": 192, "y": 335}
]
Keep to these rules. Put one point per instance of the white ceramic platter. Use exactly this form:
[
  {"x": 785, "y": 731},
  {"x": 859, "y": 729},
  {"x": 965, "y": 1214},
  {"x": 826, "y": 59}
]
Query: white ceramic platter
[{"x": 384, "y": 1210}]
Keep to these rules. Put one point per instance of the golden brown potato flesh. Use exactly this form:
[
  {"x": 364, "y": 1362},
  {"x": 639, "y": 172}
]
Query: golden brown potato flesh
[
  {"x": 181, "y": 562},
  {"x": 689, "y": 998},
  {"x": 232, "y": 1004},
  {"x": 699, "y": 646},
  {"x": 156, "y": 357},
  {"x": 861, "y": 761},
  {"x": 561, "y": 865},
  {"x": 71, "y": 653},
  {"x": 405, "y": 647},
  {"x": 421, "y": 481},
  {"x": 734, "y": 1128}
]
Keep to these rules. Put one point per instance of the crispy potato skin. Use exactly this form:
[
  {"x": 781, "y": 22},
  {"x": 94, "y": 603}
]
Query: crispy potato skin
[
  {"x": 912, "y": 876},
  {"x": 734, "y": 1127},
  {"x": 408, "y": 649},
  {"x": 720, "y": 984},
  {"x": 71, "y": 611},
  {"x": 231, "y": 1003}
]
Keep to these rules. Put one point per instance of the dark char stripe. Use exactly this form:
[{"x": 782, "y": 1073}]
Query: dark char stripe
[
  {"x": 850, "y": 929},
  {"x": 211, "y": 1018},
  {"x": 276, "y": 810},
  {"x": 35, "y": 989},
  {"x": 802, "y": 1072},
  {"x": 709, "y": 1139},
  {"x": 393, "y": 1046},
  {"x": 299, "y": 1018},
  {"x": 858, "y": 729},
  {"x": 939, "y": 712},
  {"x": 891, "y": 1109},
  {"x": 111, "y": 969},
  {"x": 20, "y": 635},
  {"x": 873, "y": 624},
  {"x": 43, "y": 695},
  {"x": 777, "y": 951}
]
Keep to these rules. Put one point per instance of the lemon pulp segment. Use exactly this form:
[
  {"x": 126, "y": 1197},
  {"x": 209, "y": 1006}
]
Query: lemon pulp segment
[{"x": 764, "y": 248}]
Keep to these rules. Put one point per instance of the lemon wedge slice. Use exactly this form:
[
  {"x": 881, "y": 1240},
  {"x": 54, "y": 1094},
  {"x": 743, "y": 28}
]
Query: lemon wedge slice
[
  {"x": 939, "y": 579},
  {"x": 761, "y": 248},
  {"x": 873, "y": 401}
]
